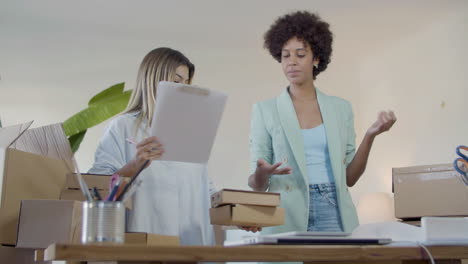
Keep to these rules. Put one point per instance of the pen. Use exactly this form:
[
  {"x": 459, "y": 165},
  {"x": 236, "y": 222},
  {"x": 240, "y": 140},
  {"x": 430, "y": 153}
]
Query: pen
[
  {"x": 114, "y": 190},
  {"x": 96, "y": 194},
  {"x": 131, "y": 191},
  {"x": 113, "y": 180},
  {"x": 132, "y": 180},
  {"x": 131, "y": 141}
]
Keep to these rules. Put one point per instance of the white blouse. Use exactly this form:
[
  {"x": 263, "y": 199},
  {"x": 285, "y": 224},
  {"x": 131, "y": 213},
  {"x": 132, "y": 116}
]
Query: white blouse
[{"x": 174, "y": 197}]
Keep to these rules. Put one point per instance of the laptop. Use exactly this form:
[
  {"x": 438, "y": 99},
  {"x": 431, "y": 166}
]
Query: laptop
[
  {"x": 312, "y": 233},
  {"x": 308, "y": 238}
]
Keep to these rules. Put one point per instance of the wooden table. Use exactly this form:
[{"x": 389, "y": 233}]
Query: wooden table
[{"x": 312, "y": 254}]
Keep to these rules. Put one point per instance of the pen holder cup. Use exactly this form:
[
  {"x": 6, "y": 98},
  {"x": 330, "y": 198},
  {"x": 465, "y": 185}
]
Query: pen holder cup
[{"x": 103, "y": 222}]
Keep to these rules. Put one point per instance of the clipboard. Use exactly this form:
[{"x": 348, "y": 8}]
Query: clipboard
[{"x": 185, "y": 120}]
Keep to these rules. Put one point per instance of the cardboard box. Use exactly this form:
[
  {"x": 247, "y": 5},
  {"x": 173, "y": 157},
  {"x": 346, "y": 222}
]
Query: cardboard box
[
  {"x": 247, "y": 215},
  {"x": 431, "y": 190},
  {"x": 44, "y": 222},
  {"x": 71, "y": 190},
  {"x": 230, "y": 196},
  {"x": 100, "y": 181},
  {"x": 151, "y": 239},
  {"x": 77, "y": 195},
  {"x": 12, "y": 255},
  {"x": 33, "y": 165}
]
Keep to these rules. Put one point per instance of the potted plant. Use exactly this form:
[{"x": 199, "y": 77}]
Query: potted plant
[{"x": 101, "y": 107}]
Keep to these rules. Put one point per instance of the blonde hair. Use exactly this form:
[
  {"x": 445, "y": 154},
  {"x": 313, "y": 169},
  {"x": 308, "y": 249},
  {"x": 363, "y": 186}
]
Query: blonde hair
[{"x": 158, "y": 65}]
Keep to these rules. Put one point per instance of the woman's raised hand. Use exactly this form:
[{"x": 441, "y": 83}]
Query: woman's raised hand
[{"x": 384, "y": 122}]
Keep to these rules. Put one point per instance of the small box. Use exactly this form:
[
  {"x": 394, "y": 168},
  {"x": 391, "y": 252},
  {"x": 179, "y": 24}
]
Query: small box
[
  {"x": 77, "y": 194},
  {"x": 100, "y": 181},
  {"x": 453, "y": 229},
  {"x": 44, "y": 222},
  {"x": 17, "y": 256},
  {"x": 71, "y": 189},
  {"x": 431, "y": 190},
  {"x": 33, "y": 165},
  {"x": 151, "y": 239},
  {"x": 231, "y": 196},
  {"x": 247, "y": 215}
]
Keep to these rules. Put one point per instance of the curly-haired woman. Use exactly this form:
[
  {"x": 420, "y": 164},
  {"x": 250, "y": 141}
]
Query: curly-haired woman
[{"x": 302, "y": 142}]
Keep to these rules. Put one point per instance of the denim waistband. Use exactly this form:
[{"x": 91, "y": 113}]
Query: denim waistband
[{"x": 322, "y": 187}]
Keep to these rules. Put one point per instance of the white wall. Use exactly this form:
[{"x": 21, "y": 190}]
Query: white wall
[{"x": 408, "y": 56}]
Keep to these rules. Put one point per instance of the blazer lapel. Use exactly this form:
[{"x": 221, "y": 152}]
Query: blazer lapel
[
  {"x": 331, "y": 129},
  {"x": 290, "y": 123}
]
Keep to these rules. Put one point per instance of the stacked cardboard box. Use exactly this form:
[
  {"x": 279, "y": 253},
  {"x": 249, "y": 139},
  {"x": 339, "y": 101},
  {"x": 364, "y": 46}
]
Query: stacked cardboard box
[
  {"x": 246, "y": 208},
  {"x": 65, "y": 215},
  {"x": 33, "y": 165},
  {"x": 38, "y": 190},
  {"x": 66, "y": 218},
  {"x": 430, "y": 190}
]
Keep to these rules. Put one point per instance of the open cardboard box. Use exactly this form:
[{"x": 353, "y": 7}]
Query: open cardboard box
[
  {"x": 33, "y": 165},
  {"x": 430, "y": 190}
]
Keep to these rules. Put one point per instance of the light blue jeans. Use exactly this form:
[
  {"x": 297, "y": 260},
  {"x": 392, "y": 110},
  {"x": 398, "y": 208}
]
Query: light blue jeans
[{"x": 324, "y": 214}]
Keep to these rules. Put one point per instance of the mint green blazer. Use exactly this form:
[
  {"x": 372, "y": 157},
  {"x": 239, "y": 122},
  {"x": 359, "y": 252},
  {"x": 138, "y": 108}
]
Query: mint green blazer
[{"x": 275, "y": 135}]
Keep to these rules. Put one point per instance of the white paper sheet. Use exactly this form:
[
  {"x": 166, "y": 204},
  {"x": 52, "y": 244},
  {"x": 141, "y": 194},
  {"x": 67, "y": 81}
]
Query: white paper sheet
[{"x": 186, "y": 119}]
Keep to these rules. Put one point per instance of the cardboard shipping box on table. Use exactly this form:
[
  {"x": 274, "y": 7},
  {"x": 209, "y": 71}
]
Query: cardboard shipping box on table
[
  {"x": 44, "y": 222},
  {"x": 33, "y": 165},
  {"x": 12, "y": 255},
  {"x": 231, "y": 196},
  {"x": 247, "y": 215},
  {"x": 72, "y": 191},
  {"x": 430, "y": 190},
  {"x": 246, "y": 208},
  {"x": 151, "y": 239}
]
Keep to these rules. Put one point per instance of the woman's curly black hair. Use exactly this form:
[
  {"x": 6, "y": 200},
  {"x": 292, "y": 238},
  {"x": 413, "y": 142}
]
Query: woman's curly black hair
[{"x": 307, "y": 27}]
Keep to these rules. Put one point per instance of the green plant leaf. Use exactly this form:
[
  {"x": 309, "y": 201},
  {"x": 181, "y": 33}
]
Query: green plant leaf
[
  {"x": 76, "y": 140},
  {"x": 96, "y": 113},
  {"x": 108, "y": 94}
]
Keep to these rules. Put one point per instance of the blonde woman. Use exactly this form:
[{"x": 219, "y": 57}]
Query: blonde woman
[{"x": 173, "y": 198}]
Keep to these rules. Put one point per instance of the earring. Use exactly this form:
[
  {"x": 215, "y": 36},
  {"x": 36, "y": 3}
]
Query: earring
[{"x": 316, "y": 65}]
